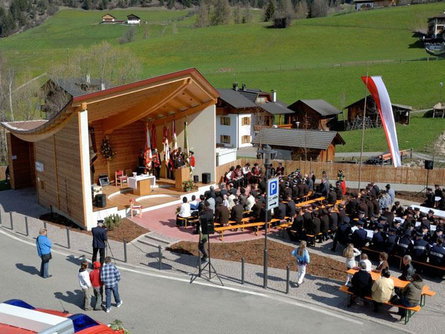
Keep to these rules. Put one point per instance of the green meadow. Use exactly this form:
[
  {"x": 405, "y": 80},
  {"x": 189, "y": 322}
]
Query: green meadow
[{"x": 314, "y": 58}]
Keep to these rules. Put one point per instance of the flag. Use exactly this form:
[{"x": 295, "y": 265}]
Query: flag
[
  {"x": 186, "y": 140},
  {"x": 381, "y": 97},
  {"x": 147, "y": 153},
  {"x": 166, "y": 152},
  {"x": 164, "y": 135},
  {"x": 153, "y": 137},
  {"x": 174, "y": 140}
]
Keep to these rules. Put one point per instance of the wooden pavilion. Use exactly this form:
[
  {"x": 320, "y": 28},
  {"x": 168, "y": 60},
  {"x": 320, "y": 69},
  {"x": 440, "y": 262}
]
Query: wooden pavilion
[{"x": 55, "y": 155}]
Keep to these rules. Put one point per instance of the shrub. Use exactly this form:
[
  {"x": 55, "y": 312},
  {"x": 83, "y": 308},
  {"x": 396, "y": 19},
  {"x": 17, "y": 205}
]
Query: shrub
[{"x": 112, "y": 221}]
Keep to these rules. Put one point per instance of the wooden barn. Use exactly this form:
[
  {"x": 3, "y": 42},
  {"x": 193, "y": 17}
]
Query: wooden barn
[
  {"x": 313, "y": 114},
  {"x": 296, "y": 144},
  {"x": 355, "y": 114},
  {"x": 55, "y": 156}
]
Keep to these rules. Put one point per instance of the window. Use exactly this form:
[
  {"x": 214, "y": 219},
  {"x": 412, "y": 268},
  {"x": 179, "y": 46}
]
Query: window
[
  {"x": 225, "y": 139},
  {"x": 245, "y": 121},
  {"x": 245, "y": 139},
  {"x": 225, "y": 120}
]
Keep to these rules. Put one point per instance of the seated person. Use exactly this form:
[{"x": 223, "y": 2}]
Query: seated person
[
  {"x": 184, "y": 212},
  {"x": 361, "y": 283},
  {"x": 407, "y": 269},
  {"x": 437, "y": 254},
  {"x": 382, "y": 289},
  {"x": 410, "y": 294},
  {"x": 237, "y": 212},
  {"x": 194, "y": 204},
  {"x": 365, "y": 259},
  {"x": 221, "y": 212},
  {"x": 383, "y": 264}
]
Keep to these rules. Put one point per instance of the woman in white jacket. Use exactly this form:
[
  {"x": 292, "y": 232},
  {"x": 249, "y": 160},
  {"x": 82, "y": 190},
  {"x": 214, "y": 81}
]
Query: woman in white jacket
[
  {"x": 350, "y": 253},
  {"x": 85, "y": 284}
]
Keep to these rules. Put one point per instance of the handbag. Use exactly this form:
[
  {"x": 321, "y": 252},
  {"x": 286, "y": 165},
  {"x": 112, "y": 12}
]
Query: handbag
[{"x": 45, "y": 257}]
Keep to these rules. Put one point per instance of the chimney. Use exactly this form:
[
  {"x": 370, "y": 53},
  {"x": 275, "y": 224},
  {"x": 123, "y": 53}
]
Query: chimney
[
  {"x": 88, "y": 79},
  {"x": 102, "y": 86},
  {"x": 235, "y": 86},
  {"x": 243, "y": 87},
  {"x": 274, "y": 95}
]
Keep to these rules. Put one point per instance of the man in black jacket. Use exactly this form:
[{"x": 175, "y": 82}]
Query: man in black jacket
[
  {"x": 237, "y": 212},
  {"x": 361, "y": 283},
  {"x": 99, "y": 240}
]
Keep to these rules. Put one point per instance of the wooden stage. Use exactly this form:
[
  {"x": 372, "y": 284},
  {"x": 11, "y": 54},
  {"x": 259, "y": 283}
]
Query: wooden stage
[{"x": 164, "y": 193}]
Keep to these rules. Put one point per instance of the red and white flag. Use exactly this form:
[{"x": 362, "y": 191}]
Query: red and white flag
[
  {"x": 174, "y": 139},
  {"x": 381, "y": 97}
]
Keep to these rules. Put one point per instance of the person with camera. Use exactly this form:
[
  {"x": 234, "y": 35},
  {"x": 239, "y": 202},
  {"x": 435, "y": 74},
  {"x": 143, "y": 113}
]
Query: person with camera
[
  {"x": 205, "y": 222},
  {"x": 44, "y": 251},
  {"x": 99, "y": 241}
]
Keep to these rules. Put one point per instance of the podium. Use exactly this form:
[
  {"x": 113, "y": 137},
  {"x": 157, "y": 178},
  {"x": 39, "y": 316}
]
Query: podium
[
  {"x": 143, "y": 187},
  {"x": 181, "y": 175}
]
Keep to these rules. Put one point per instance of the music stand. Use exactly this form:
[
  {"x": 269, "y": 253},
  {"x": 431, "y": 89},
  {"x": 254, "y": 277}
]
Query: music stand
[{"x": 205, "y": 222}]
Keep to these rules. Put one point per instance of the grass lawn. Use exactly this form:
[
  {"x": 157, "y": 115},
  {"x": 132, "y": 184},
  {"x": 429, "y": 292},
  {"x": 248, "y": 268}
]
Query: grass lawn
[
  {"x": 314, "y": 58},
  {"x": 420, "y": 132}
]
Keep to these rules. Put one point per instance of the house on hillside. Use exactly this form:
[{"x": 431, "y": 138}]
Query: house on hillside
[
  {"x": 133, "y": 19},
  {"x": 295, "y": 144},
  {"x": 363, "y": 4},
  {"x": 241, "y": 112},
  {"x": 108, "y": 18},
  {"x": 372, "y": 118},
  {"x": 313, "y": 114}
]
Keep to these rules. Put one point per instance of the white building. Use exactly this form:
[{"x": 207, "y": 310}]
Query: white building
[
  {"x": 242, "y": 112},
  {"x": 133, "y": 19}
]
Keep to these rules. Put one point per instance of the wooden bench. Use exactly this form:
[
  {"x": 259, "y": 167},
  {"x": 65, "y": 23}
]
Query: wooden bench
[
  {"x": 315, "y": 200},
  {"x": 426, "y": 291},
  {"x": 410, "y": 310},
  {"x": 246, "y": 223},
  {"x": 188, "y": 220},
  {"x": 428, "y": 265},
  {"x": 311, "y": 238}
]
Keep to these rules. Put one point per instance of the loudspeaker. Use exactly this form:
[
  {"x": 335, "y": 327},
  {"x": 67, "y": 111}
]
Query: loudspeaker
[
  {"x": 101, "y": 201},
  {"x": 207, "y": 223},
  {"x": 429, "y": 164},
  {"x": 205, "y": 178},
  {"x": 195, "y": 178}
]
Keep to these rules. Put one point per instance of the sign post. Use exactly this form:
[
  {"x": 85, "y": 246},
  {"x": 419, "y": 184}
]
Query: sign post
[{"x": 271, "y": 202}]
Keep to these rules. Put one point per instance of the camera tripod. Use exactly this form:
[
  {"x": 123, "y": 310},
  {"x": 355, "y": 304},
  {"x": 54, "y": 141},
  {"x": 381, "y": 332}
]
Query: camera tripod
[{"x": 208, "y": 265}]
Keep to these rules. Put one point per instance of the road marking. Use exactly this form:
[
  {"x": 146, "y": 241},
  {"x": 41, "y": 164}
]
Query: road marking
[{"x": 228, "y": 288}]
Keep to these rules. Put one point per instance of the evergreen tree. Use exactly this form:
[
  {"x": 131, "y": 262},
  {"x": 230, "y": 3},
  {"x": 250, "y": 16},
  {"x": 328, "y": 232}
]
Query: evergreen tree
[
  {"x": 301, "y": 10},
  {"x": 270, "y": 11}
]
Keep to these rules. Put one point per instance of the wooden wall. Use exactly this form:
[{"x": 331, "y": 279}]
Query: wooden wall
[
  {"x": 2, "y": 172},
  {"x": 21, "y": 169},
  {"x": 126, "y": 142},
  {"x": 382, "y": 174},
  {"x": 60, "y": 183}
]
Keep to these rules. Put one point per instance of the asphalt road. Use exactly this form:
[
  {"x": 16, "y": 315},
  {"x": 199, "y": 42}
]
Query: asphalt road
[{"x": 156, "y": 304}]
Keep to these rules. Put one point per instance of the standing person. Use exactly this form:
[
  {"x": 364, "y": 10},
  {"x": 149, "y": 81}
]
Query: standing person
[
  {"x": 85, "y": 284},
  {"x": 303, "y": 259},
  {"x": 44, "y": 251},
  {"x": 350, "y": 253},
  {"x": 111, "y": 276},
  {"x": 97, "y": 285},
  {"x": 205, "y": 219},
  {"x": 99, "y": 240}
]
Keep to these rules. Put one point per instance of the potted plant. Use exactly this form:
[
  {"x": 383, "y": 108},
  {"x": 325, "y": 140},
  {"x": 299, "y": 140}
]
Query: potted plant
[{"x": 188, "y": 185}]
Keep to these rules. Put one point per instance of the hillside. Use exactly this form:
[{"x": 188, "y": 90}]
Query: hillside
[{"x": 314, "y": 58}]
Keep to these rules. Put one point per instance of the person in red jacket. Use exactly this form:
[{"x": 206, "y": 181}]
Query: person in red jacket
[{"x": 97, "y": 285}]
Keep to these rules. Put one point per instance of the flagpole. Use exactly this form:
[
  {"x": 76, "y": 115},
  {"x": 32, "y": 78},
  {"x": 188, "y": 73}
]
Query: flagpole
[{"x": 363, "y": 134}]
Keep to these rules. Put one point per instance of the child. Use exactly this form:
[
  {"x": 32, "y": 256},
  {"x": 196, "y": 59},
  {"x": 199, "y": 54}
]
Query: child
[
  {"x": 303, "y": 260},
  {"x": 350, "y": 254},
  {"x": 383, "y": 264},
  {"x": 97, "y": 285},
  {"x": 85, "y": 284}
]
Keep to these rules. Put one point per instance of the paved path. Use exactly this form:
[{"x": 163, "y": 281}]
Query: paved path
[
  {"x": 153, "y": 304},
  {"x": 142, "y": 255}
]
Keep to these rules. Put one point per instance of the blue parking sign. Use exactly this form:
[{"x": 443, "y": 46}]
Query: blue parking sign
[{"x": 272, "y": 193}]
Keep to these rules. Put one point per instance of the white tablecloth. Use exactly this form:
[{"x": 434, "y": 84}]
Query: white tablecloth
[
  {"x": 438, "y": 213},
  {"x": 133, "y": 180}
]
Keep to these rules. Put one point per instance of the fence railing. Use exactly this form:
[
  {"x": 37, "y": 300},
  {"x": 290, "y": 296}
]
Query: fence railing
[{"x": 376, "y": 173}]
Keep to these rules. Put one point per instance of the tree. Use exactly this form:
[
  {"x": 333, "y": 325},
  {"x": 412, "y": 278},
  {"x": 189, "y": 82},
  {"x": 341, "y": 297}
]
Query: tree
[
  {"x": 237, "y": 14},
  {"x": 247, "y": 15},
  {"x": 319, "y": 8},
  {"x": 269, "y": 13},
  {"x": 203, "y": 15},
  {"x": 221, "y": 13},
  {"x": 301, "y": 10}
]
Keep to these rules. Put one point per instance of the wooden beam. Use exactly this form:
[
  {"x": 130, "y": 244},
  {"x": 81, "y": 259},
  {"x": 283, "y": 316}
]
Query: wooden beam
[
  {"x": 184, "y": 113},
  {"x": 145, "y": 108}
]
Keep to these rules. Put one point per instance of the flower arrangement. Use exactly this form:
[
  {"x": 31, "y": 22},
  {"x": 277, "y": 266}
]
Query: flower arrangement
[
  {"x": 106, "y": 150},
  {"x": 188, "y": 185}
]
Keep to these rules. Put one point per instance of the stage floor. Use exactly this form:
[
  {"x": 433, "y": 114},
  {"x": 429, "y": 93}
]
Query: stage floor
[{"x": 164, "y": 193}]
